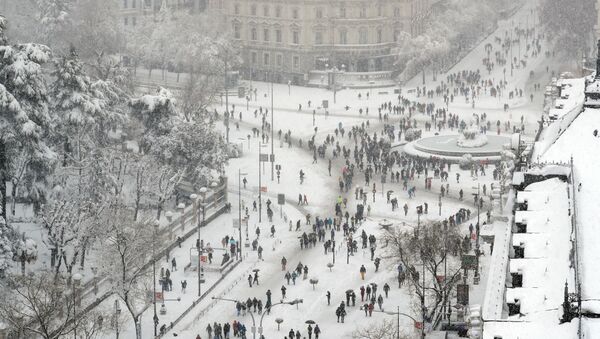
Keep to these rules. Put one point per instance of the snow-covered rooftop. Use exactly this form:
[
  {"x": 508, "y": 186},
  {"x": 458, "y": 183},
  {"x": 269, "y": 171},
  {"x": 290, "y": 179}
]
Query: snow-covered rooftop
[
  {"x": 544, "y": 268},
  {"x": 593, "y": 87},
  {"x": 579, "y": 142}
]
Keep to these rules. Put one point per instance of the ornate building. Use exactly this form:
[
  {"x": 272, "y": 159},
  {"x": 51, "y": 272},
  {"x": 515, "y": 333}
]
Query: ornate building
[
  {"x": 131, "y": 9},
  {"x": 304, "y": 41}
]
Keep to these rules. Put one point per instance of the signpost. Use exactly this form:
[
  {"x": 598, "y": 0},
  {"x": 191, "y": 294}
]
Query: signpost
[{"x": 462, "y": 294}]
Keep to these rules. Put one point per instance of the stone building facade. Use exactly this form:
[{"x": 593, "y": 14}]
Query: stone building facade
[
  {"x": 130, "y": 10},
  {"x": 305, "y": 41}
]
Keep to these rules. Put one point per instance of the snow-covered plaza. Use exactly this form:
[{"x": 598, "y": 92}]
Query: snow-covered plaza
[{"x": 458, "y": 202}]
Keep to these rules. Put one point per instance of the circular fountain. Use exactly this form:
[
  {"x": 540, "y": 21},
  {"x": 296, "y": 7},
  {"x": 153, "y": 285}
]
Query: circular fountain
[{"x": 453, "y": 147}]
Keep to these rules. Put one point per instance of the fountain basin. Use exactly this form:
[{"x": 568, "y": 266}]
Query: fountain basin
[{"x": 446, "y": 147}]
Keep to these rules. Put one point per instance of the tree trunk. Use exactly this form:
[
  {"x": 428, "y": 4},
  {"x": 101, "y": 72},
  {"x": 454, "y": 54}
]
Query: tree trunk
[
  {"x": 13, "y": 193},
  {"x": 3, "y": 180},
  {"x": 159, "y": 209},
  {"x": 83, "y": 252}
]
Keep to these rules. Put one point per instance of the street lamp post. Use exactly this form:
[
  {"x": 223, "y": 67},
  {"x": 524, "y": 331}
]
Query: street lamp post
[
  {"x": 477, "y": 227},
  {"x": 203, "y": 191},
  {"x": 272, "y": 136},
  {"x": 117, "y": 312},
  {"x": 440, "y": 204},
  {"x": 155, "y": 317},
  {"x": 333, "y": 249},
  {"x": 398, "y": 314},
  {"x": 76, "y": 283},
  {"x": 260, "y": 328},
  {"x": 240, "y": 210}
]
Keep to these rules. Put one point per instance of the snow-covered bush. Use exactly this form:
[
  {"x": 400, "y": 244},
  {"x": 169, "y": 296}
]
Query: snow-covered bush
[{"x": 466, "y": 162}]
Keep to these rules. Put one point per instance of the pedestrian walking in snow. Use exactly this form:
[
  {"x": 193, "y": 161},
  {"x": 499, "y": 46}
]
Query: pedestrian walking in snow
[{"x": 363, "y": 271}]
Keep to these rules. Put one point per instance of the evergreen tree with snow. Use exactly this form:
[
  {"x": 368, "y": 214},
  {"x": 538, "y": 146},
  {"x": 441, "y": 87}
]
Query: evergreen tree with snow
[
  {"x": 53, "y": 19},
  {"x": 179, "y": 149},
  {"x": 25, "y": 157},
  {"x": 156, "y": 114},
  {"x": 81, "y": 106}
]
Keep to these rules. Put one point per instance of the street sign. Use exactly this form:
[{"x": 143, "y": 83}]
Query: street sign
[
  {"x": 236, "y": 223},
  {"x": 281, "y": 199},
  {"x": 469, "y": 262},
  {"x": 263, "y": 189},
  {"x": 272, "y": 157},
  {"x": 325, "y": 104},
  {"x": 462, "y": 294},
  {"x": 158, "y": 296},
  {"x": 263, "y": 157}
]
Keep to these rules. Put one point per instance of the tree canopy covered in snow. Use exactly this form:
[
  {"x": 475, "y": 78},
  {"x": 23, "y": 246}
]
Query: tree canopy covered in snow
[
  {"x": 456, "y": 25},
  {"x": 570, "y": 24}
]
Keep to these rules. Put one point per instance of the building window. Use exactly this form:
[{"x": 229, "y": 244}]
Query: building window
[
  {"x": 266, "y": 60},
  {"x": 318, "y": 38},
  {"x": 278, "y": 35},
  {"x": 266, "y": 10},
  {"x": 254, "y": 57},
  {"x": 133, "y": 3},
  {"x": 363, "y": 12},
  {"x": 319, "y": 13},
  {"x": 278, "y": 11},
  {"x": 342, "y": 12},
  {"x": 379, "y": 36},
  {"x": 253, "y": 10},
  {"x": 379, "y": 10},
  {"x": 362, "y": 36},
  {"x": 296, "y": 61},
  {"x": 125, "y": 3},
  {"x": 134, "y": 21},
  {"x": 253, "y": 34},
  {"x": 236, "y": 9},
  {"x": 126, "y": 21},
  {"x": 343, "y": 37},
  {"x": 396, "y": 35},
  {"x": 237, "y": 31},
  {"x": 296, "y": 37},
  {"x": 279, "y": 60},
  {"x": 266, "y": 34},
  {"x": 295, "y": 13},
  {"x": 396, "y": 12}
]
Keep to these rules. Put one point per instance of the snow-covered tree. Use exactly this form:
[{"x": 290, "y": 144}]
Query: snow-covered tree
[
  {"x": 429, "y": 245},
  {"x": 449, "y": 33},
  {"x": 127, "y": 249},
  {"x": 69, "y": 220},
  {"x": 569, "y": 24},
  {"x": 179, "y": 149},
  {"x": 96, "y": 28},
  {"x": 386, "y": 329},
  {"x": 82, "y": 108},
  {"x": 6, "y": 248},
  {"x": 26, "y": 122},
  {"x": 156, "y": 114},
  {"x": 54, "y": 22},
  {"x": 38, "y": 306}
]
